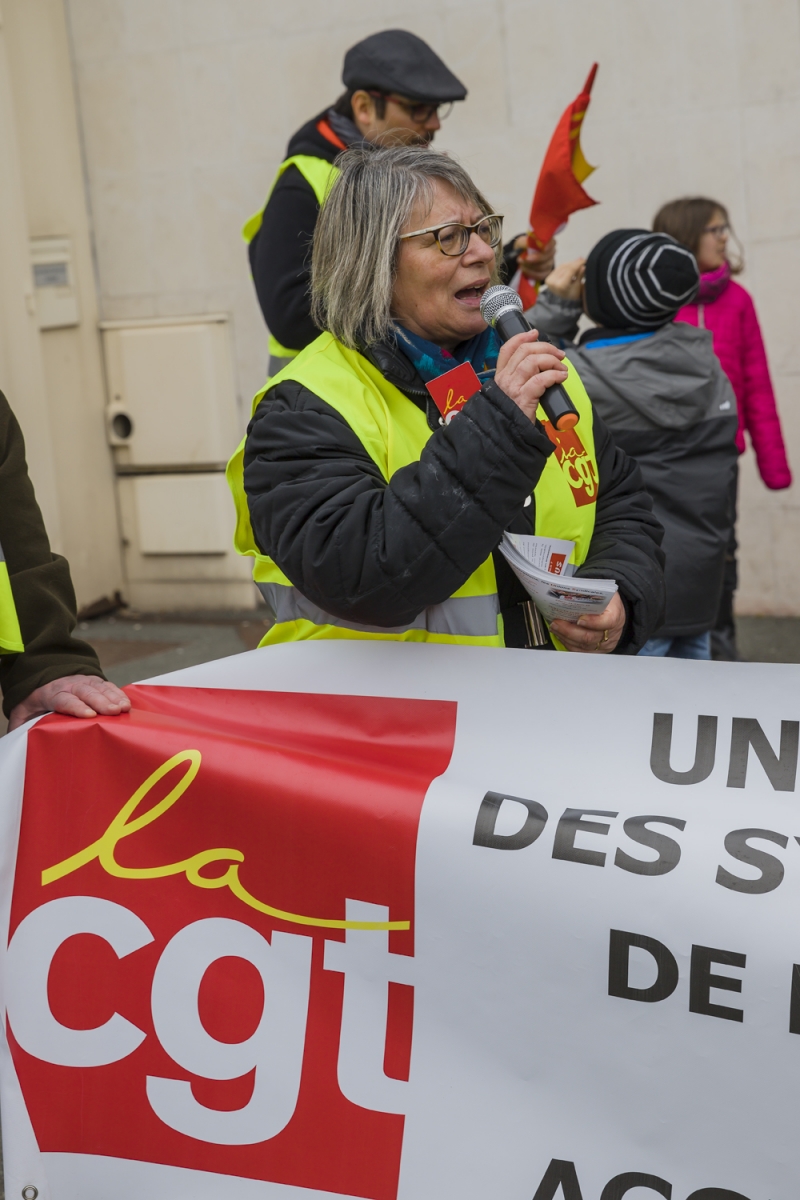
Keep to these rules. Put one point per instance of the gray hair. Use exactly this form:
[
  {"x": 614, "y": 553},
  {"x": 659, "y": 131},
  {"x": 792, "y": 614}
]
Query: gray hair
[{"x": 354, "y": 259}]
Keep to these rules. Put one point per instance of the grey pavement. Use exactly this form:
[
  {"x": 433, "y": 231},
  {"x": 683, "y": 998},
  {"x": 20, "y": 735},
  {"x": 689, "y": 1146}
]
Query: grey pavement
[
  {"x": 139, "y": 646},
  {"x": 769, "y": 639}
]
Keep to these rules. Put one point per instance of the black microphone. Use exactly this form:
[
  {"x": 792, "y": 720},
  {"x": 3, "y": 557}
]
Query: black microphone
[{"x": 501, "y": 307}]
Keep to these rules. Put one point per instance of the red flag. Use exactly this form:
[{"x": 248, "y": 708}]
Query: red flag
[{"x": 558, "y": 189}]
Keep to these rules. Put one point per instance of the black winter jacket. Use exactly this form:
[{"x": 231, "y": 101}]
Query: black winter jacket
[
  {"x": 280, "y": 253},
  {"x": 670, "y": 406},
  {"x": 378, "y": 554}
]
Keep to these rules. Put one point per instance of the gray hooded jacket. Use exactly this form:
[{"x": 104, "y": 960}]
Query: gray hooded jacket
[{"x": 670, "y": 406}]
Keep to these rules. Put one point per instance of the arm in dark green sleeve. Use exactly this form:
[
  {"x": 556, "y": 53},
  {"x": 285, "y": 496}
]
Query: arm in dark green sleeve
[{"x": 40, "y": 582}]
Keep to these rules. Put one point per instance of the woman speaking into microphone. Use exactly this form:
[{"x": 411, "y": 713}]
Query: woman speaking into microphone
[{"x": 366, "y": 514}]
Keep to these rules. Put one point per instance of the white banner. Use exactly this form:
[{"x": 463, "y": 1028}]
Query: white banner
[{"x": 396, "y": 921}]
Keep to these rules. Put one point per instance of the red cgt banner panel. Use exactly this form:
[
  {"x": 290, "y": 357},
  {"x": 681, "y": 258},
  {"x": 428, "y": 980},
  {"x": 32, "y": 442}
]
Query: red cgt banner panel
[{"x": 193, "y": 885}]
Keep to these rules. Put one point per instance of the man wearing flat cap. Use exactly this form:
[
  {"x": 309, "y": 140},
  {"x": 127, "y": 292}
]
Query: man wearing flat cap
[{"x": 397, "y": 91}]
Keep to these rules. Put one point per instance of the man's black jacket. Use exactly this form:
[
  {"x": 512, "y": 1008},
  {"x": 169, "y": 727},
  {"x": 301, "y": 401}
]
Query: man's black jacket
[
  {"x": 378, "y": 554},
  {"x": 280, "y": 253}
]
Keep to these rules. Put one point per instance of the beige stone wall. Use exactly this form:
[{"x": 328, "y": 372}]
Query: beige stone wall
[
  {"x": 186, "y": 106},
  {"x": 53, "y": 378}
]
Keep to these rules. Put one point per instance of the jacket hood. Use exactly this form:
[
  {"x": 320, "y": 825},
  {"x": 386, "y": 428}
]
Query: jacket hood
[{"x": 670, "y": 379}]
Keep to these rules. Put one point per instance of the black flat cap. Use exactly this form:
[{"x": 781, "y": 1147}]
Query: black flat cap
[{"x": 398, "y": 61}]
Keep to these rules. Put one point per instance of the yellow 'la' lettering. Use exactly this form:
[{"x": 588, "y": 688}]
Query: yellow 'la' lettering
[
  {"x": 450, "y": 403},
  {"x": 124, "y": 824}
]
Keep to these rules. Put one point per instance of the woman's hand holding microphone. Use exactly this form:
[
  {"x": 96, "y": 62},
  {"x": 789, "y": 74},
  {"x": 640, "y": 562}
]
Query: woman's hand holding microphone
[{"x": 526, "y": 368}]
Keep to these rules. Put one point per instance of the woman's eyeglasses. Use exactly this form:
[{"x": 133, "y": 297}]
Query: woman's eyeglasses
[
  {"x": 717, "y": 230},
  {"x": 420, "y": 114},
  {"x": 453, "y": 239}
]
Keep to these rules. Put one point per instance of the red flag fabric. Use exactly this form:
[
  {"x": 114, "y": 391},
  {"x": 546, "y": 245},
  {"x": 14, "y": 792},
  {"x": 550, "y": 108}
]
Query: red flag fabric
[{"x": 559, "y": 190}]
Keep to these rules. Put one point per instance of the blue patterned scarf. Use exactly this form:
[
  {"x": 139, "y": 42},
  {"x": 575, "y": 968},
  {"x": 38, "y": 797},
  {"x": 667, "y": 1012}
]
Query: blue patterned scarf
[{"x": 431, "y": 360}]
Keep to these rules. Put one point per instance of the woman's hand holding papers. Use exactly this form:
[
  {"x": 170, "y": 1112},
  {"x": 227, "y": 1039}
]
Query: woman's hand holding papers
[{"x": 598, "y": 634}]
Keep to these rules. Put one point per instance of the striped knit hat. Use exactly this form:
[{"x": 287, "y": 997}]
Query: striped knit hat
[{"x": 639, "y": 280}]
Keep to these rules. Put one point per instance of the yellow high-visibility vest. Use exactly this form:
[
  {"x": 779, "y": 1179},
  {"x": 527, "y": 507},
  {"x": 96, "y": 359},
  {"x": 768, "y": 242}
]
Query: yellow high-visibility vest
[
  {"x": 10, "y": 635},
  {"x": 393, "y": 431},
  {"x": 319, "y": 174}
]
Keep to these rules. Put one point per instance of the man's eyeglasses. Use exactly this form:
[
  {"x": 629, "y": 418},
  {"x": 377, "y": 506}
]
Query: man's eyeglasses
[
  {"x": 717, "y": 230},
  {"x": 420, "y": 114},
  {"x": 453, "y": 239}
]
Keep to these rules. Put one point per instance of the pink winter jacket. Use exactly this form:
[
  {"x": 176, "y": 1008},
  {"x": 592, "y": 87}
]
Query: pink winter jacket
[{"x": 740, "y": 348}]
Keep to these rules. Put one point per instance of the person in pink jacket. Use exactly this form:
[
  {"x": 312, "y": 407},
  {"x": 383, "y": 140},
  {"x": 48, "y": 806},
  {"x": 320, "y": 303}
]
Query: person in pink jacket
[{"x": 727, "y": 310}]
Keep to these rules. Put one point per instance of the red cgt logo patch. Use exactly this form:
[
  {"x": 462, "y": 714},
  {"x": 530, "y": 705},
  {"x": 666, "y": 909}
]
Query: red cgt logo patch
[
  {"x": 576, "y": 464},
  {"x": 452, "y": 390},
  {"x": 211, "y": 952}
]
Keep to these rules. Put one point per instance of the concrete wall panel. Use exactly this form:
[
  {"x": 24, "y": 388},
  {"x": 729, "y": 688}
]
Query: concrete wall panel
[
  {"x": 187, "y": 105},
  {"x": 65, "y": 435}
]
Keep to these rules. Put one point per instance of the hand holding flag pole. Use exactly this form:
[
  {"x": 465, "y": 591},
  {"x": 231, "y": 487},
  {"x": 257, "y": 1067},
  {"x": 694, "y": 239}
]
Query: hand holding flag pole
[{"x": 558, "y": 189}]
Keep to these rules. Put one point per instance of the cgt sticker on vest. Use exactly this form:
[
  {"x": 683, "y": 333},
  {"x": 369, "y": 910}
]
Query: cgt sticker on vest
[
  {"x": 452, "y": 390},
  {"x": 575, "y": 462},
  {"x": 212, "y": 933}
]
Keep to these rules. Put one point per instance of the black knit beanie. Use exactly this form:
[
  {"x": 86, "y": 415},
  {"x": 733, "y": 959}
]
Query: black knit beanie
[{"x": 639, "y": 280}]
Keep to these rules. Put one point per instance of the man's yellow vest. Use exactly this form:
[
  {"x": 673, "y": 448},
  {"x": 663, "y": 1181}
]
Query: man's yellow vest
[
  {"x": 10, "y": 635},
  {"x": 393, "y": 431},
  {"x": 319, "y": 174}
]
